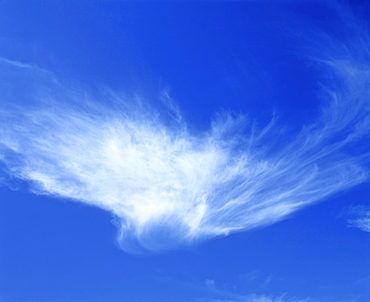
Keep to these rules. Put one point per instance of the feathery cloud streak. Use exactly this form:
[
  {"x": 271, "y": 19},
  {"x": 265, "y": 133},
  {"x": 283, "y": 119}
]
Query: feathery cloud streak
[
  {"x": 362, "y": 220},
  {"x": 226, "y": 296},
  {"x": 167, "y": 186},
  {"x": 260, "y": 298}
]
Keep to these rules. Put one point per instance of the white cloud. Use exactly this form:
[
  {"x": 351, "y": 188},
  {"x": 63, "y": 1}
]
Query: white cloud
[
  {"x": 232, "y": 296},
  {"x": 362, "y": 220},
  {"x": 257, "y": 298},
  {"x": 168, "y": 186},
  {"x": 264, "y": 298}
]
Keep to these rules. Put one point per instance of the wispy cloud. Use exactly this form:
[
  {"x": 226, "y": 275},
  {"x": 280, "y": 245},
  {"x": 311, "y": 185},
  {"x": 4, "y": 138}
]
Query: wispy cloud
[
  {"x": 226, "y": 296},
  {"x": 260, "y": 298},
  {"x": 362, "y": 220},
  {"x": 263, "y": 298},
  {"x": 166, "y": 185}
]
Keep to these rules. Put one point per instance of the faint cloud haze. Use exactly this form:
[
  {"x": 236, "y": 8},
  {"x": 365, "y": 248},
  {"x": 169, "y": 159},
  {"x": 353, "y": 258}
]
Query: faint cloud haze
[
  {"x": 228, "y": 296},
  {"x": 167, "y": 186},
  {"x": 362, "y": 220}
]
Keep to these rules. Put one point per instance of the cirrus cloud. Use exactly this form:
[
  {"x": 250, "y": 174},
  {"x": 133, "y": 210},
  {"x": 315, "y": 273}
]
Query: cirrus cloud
[{"x": 168, "y": 186}]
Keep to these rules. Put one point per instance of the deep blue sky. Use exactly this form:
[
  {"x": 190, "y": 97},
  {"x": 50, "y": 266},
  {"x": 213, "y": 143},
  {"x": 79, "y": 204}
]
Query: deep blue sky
[{"x": 227, "y": 142}]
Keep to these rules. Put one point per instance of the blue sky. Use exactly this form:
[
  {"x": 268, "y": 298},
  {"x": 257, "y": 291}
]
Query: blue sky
[{"x": 211, "y": 151}]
